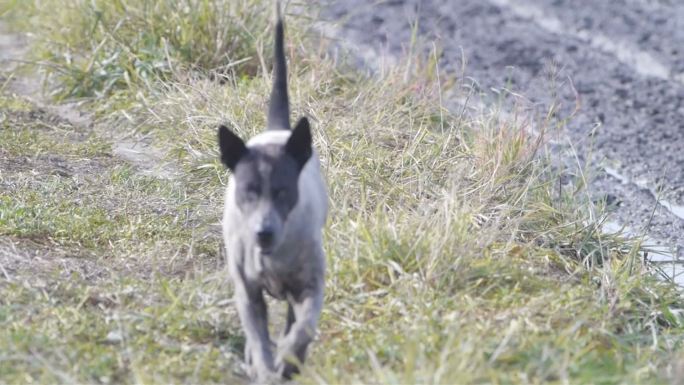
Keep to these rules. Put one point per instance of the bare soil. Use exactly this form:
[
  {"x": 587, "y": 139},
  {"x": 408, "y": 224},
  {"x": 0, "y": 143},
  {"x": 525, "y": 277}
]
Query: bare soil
[{"x": 614, "y": 67}]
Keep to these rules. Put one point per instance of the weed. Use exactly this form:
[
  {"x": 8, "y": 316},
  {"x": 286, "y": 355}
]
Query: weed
[{"x": 96, "y": 47}]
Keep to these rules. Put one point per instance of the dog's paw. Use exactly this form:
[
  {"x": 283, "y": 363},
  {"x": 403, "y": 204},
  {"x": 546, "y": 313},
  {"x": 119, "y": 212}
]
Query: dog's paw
[
  {"x": 286, "y": 370},
  {"x": 285, "y": 367},
  {"x": 266, "y": 378},
  {"x": 261, "y": 375}
]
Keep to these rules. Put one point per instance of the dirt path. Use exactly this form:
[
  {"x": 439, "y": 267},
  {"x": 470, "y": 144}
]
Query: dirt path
[
  {"x": 127, "y": 144},
  {"x": 624, "y": 59},
  {"x": 66, "y": 130}
]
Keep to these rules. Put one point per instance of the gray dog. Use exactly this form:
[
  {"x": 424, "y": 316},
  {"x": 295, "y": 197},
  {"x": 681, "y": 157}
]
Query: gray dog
[{"x": 275, "y": 207}]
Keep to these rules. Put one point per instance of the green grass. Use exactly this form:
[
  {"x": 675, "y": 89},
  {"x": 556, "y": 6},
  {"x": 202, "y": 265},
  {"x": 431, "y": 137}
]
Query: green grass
[
  {"x": 69, "y": 190},
  {"x": 126, "y": 330},
  {"x": 453, "y": 256},
  {"x": 97, "y": 47}
]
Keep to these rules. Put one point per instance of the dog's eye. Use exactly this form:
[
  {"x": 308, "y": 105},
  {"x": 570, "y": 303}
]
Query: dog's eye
[
  {"x": 252, "y": 191},
  {"x": 280, "y": 193}
]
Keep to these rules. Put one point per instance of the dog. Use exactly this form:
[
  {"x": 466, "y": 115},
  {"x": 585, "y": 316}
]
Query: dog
[{"x": 276, "y": 205}]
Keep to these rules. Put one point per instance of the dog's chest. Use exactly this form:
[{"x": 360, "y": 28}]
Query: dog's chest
[
  {"x": 274, "y": 286},
  {"x": 280, "y": 281}
]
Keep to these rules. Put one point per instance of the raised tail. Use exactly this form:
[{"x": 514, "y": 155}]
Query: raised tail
[{"x": 279, "y": 107}]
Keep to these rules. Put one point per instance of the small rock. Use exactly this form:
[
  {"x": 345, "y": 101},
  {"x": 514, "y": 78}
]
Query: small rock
[{"x": 114, "y": 337}]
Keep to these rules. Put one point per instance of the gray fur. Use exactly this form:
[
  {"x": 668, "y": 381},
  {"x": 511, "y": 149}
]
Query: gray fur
[{"x": 275, "y": 209}]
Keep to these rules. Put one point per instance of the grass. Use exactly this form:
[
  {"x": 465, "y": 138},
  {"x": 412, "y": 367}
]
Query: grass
[
  {"x": 453, "y": 256},
  {"x": 94, "y": 48},
  {"x": 124, "y": 330},
  {"x": 99, "y": 266}
]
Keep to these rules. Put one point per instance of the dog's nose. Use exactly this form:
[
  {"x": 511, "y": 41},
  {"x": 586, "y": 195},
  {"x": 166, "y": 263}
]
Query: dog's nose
[{"x": 265, "y": 237}]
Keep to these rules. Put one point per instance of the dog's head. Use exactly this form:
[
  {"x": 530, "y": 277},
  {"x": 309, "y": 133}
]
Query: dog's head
[{"x": 266, "y": 181}]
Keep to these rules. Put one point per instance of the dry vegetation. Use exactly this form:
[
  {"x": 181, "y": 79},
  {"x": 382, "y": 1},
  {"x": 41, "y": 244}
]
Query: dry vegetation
[{"x": 453, "y": 256}]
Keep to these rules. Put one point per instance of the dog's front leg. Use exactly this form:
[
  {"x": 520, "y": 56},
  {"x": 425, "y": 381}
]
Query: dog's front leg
[
  {"x": 289, "y": 320},
  {"x": 292, "y": 347},
  {"x": 254, "y": 318}
]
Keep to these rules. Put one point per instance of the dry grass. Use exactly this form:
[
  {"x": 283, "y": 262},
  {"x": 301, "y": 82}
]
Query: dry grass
[{"x": 453, "y": 257}]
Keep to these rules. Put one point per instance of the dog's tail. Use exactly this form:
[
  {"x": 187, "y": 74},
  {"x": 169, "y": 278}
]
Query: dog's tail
[{"x": 279, "y": 108}]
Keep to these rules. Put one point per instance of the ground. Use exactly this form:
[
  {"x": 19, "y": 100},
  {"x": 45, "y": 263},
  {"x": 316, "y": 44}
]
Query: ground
[{"x": 462, "y": 246}]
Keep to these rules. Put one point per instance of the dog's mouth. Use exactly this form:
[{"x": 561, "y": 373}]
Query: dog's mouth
[{"x": 265, "y": 250}]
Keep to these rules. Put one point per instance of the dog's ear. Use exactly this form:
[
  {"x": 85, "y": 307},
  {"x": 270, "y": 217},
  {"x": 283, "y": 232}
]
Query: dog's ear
[
  {"x": 232, "y": 147},
  {"x": 299, "y": 144}
]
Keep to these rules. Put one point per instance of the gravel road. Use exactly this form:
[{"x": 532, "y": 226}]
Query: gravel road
[{"x": 623, "y": 58}]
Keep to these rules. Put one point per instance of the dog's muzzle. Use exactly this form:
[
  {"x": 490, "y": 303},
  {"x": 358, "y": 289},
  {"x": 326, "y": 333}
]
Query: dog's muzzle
[{"x": 265, "y": 239}]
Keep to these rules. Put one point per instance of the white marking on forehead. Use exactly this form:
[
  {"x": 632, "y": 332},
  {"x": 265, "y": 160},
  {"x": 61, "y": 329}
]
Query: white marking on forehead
[{"x": 270, "y": 137}]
